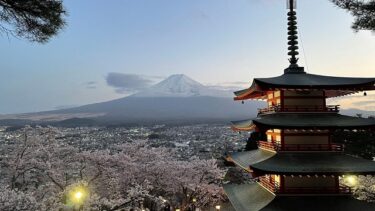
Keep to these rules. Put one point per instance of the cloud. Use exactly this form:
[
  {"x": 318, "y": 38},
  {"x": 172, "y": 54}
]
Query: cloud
[
  {"x": 365, "y": 102},
  {"x": 230, "y": 86},
  {"x": 357, "y": 101},
  {"x": 128, "y": 83},
  {"x": 91, "y": 84},
  {"x": 65, "y": 107}
]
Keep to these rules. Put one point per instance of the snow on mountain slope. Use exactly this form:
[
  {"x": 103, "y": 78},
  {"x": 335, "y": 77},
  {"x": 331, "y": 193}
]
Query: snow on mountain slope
[
  {"x": 177, "y": 98},
  {"x": 180, "y": 85}
]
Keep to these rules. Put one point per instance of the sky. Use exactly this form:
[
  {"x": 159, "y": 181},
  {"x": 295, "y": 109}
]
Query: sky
[{"x": 110, "y": 49}]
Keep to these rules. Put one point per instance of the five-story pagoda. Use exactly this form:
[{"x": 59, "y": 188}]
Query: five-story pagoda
[{"x": 298, "y": 167}]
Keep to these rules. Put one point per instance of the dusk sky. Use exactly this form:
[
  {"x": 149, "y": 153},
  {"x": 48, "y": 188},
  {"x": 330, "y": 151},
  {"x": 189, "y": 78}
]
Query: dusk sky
[{"x": 216, "y": 42}]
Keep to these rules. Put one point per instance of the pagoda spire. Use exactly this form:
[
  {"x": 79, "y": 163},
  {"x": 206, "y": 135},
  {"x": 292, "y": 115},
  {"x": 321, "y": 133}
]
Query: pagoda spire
[{"x": 293, "y": 39}]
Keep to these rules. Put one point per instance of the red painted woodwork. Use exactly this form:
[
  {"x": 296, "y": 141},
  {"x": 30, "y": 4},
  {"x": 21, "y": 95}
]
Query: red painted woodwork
[
  {"x": 300, "y": 147},
  {"x": 273, "y": 186},
  {"x": 318, "y": 190},
  {"x": 278, "y": 108}
]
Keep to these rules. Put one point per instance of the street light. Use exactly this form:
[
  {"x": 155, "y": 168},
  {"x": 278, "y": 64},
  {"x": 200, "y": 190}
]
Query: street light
[
  {"x": 217, "y": 207},
  {"x": 194, "y": 202}
]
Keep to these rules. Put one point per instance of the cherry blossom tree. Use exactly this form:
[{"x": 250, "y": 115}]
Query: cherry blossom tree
[
  {"x": 14, "y": 200},
  {"x": 363, "y": 187},
  {"x": 41, "y": 172}
]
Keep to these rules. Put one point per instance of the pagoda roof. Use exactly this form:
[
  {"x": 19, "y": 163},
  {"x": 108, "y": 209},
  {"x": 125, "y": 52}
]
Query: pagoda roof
[
  {"x": 296, "y": 163},
  {"x": 247, "y": 158},
  {"x": 304, "y": 120},
  {"x": 335, "y": 86},
  {"x": 322, "y": 203},
  {"x": 247, "y": 197}
]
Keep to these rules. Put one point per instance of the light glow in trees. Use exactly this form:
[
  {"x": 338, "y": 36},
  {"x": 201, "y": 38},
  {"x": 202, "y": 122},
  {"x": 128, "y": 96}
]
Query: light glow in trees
[{"x": 52, "y": 175}]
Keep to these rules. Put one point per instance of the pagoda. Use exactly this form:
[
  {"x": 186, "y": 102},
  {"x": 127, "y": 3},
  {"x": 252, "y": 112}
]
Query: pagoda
[{"x": 297, "y": 166}]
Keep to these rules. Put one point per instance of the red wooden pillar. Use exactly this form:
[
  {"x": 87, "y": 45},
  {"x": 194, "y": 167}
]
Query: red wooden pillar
[
  {"x": 282, "y": 134},
  {"x": 281, "y": 100},
  {"x": 282, "y": 183},
  {"x": 337, "y": 184},
  {"x": 330, "y": 139}
]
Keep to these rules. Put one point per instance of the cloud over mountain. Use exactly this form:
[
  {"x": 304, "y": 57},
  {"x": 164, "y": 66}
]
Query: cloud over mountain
[
  {"x": 91, "y": 84},
  {"x": 180, "y": 85},
  {"x": 125, "y": 83}
]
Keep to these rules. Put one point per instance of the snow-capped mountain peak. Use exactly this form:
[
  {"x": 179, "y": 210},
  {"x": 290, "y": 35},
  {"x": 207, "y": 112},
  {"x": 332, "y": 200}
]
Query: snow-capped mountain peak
[{"x": 180, "y": 85}]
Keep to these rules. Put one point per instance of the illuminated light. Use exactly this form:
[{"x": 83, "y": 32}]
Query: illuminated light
[
  {"x": 194, "y": 200},
  {"x": 78, "y": 195},
  {"x": 217, "y": 207},
  {"x": 351, "y": 180},
  {"x": 177, "y": 209}
]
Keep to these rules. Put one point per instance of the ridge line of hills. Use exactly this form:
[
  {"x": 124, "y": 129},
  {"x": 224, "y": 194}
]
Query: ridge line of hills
[{"x": 177, "y": 99}]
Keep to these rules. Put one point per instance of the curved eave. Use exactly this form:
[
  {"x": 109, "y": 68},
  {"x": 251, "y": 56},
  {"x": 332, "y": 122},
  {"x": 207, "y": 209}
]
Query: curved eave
[
  {"x": 254, "y": 92},
  {"x": 309, "y": 81},
  {"x": 344, "y": 87},
  {"x": 246, "y": 197},
  {"x": 334, "y": 86},
  {"x": 313, "y": 203},
  {"x": 303, "y": 121},
  {"x": 312, "y": 121},
  {"x": 243, "y": 125},
  {"x": 248, "y": 158},
  {"x": 310, "y": 163}
]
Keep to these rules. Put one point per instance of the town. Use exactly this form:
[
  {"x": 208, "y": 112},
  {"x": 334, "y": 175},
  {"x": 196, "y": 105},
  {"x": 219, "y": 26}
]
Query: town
[{"x": 204, "y": 141}]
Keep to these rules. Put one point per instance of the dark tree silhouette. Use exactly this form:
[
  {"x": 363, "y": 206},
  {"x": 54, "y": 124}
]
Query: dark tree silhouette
[
  {"x": 35, "y": 20},
  {"x": 362, "y": 10},
  {"x": 252, "y": 140},
  {"x": 359, "y": 143}
]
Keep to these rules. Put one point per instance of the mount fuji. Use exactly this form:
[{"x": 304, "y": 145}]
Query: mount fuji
[
  {"x": 181, "y": 86},
  {"x": 177, "y": 99}
]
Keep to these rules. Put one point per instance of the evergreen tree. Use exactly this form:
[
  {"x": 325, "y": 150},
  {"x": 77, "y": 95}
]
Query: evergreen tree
[
  {"x": 253, "y": 139},
  {"x": 358, "y": 143},
  {"x": 35, "y": 20},
  {"x": 363, "y": 12}
]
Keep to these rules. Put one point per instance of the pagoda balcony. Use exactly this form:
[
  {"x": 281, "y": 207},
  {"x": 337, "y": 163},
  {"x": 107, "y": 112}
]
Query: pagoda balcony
[
  {"x": 300, "y": 147},
  {"x": 270, "y": 184},
  {"x": 278, "y": 108},
  {"x": 316, "y": 190},
  {"x": 268, "y": 145}
]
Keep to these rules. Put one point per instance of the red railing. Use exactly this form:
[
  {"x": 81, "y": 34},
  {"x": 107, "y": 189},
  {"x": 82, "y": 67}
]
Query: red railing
[
  {"x": 278, "y": 108},
  {"x": 316, "y": 190},
  {"x": 269, "y": 183},
  {"x": 300, "y": 147},
  {"x": 312, "y": 147},
  {"x": 273, "y": 186},
  {"x": 269, "y": 109},
  {"x": 268, "y": 145}
]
